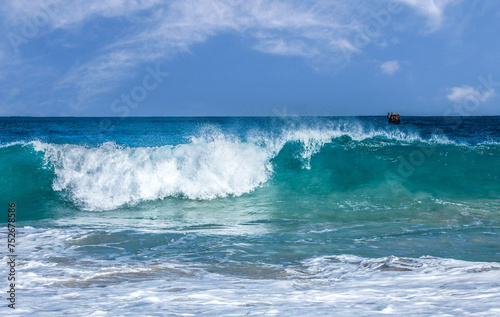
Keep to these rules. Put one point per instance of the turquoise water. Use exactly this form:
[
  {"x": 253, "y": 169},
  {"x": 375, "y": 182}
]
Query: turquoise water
[{"x": 314, "y": 207}]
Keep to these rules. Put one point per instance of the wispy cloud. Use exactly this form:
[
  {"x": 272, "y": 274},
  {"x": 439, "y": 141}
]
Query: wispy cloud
[
  {"x": 432, "y": 9},
  {"x": 390, "y": 67},
  {"x": 319, "y": 31},
  {"x": 467, "y": 93},
  {"x": 273, "y": 27},
  {"x": 64, "y": 14}
]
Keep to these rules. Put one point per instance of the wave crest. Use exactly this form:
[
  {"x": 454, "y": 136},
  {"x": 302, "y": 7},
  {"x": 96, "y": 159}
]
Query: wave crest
[
  {"x": 110, "y": 176},
  {"x": 214, "y": 164}
]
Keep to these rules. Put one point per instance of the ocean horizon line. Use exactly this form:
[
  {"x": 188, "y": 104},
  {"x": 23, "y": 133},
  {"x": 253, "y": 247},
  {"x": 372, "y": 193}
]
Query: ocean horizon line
[{"x": 270, "y": 116}]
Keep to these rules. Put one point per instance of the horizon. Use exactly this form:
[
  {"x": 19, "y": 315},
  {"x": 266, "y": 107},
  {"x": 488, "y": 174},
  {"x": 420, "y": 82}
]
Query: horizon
[{"x": 229, "y": 116}]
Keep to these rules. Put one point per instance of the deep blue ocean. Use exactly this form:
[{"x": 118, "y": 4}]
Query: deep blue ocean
[{"x": 273, "y": 216}]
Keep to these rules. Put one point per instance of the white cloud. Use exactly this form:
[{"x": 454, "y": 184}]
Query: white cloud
[
  {"x": 390, "y": 67},
  {"x": 321, "y": 31},
  {"x": 465, "y": 93},
  {"x": 63, "y": 14},
  {"x": 432, "y": 9}
]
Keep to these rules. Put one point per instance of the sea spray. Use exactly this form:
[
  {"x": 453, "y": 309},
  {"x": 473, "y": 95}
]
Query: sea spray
[{"x": 109, "y": 176}]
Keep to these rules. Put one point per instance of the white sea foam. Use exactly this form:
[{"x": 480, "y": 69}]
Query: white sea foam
[
  {"x": 313, "y": 138},
  {"x": 72, "y": 283},
  {"x": 212, "y": 165},
  {"x": 109, "y": 176},
  {"x": 490, "y": 142},
  {"x": 9, "y": 144}
]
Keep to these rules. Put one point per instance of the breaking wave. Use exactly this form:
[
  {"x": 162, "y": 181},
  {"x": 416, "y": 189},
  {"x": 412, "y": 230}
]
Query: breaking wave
[{"x": 216, "y": 164}]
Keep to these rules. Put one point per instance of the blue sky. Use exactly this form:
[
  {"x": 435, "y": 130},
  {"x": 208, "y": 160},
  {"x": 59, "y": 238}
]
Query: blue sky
[{"x": 235, "y": 57}]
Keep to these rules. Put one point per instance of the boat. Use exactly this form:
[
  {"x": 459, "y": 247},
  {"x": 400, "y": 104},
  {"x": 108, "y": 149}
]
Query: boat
[{"x": 393, "y": 118}]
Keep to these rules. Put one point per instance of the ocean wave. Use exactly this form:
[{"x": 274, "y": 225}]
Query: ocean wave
[
  {"x": 346, "y": 266},
  {"x": 11, "y": 144},
  {"x": 65, "y": 264},
  {"x": 212, "y": 164},
  {"x": 110, "y": 176},
  {"x": 312, "y": 138}
]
